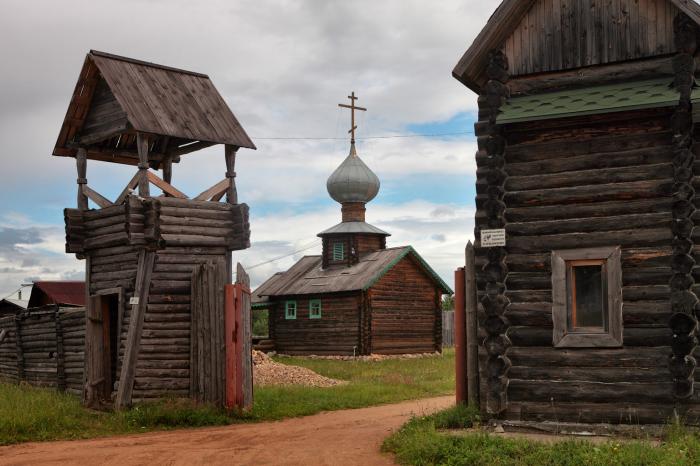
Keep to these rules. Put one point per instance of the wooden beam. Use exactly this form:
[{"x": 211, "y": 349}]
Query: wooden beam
[
  {"x": 81, "y": 162},
  {"x": 96, "y": 197},
  {"x": 167, "y": 188},
  {"x": 142, "y": 146},
  {"x": 133, "y": 339},
  {"x": 230, "y": 154},
  {"x": 129, "y": 187},
  {"x": 592, "y": 75},
  {"x": 220, "y": 187},
  {"x": 195, "y": 146}
]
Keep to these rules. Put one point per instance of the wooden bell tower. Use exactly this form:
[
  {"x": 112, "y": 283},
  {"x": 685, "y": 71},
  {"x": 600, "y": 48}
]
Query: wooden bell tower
[{"x": 142, "y": 251}]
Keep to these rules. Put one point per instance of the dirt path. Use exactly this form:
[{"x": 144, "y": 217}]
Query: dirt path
[{"x": 350, "y": 437}]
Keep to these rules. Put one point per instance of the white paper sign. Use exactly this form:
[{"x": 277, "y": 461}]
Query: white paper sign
[
  {"x": 493, "y": 238},
  {"x": 134, "y": 300}
]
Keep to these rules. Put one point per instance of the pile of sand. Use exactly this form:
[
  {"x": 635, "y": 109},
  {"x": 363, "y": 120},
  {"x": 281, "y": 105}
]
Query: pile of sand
[{"x": 268, "y": 372}]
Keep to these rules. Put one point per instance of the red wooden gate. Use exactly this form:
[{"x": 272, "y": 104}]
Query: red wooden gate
[{"x": 239, "y": 343}]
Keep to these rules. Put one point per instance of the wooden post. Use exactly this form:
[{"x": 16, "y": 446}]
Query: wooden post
[
  {"x": 472, "y": 344},
  {"x": 459, "y": 338},
  {"x": 19, "y": 348},
  {"x": 230, "y": 154},
  {"x": 245, "y": 339},
  {"x": 81, "y": 162},
  {"x": 168, "y": 172},
  {"x": 142, "y": 145},
  {"x": 60, "y": 353},
  {"x": 133, "y": 339}
]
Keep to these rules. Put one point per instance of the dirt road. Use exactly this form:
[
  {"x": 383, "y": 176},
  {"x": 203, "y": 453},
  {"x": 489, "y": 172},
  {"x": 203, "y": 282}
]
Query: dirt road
[{"x": 350, "y": 437}]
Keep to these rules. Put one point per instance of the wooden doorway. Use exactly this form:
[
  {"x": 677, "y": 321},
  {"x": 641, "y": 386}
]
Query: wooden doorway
[{"x": 102, "y": 340}]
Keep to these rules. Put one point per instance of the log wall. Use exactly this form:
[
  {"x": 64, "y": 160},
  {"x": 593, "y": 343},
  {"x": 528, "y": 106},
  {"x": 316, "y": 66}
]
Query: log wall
[
  {"x": 587, "y": 182},
  {"x": 44, "y": 347},
  {"x": 337, "y": 332},
  {"x": 406, "y": 316}
]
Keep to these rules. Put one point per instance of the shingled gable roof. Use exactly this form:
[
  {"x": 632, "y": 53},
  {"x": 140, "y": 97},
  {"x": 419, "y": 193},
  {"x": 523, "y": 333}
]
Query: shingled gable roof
[
  {"x": 472, "y": 66},
  {"x": 307, "y": 277},
  {"x": 154, "y": 99}
]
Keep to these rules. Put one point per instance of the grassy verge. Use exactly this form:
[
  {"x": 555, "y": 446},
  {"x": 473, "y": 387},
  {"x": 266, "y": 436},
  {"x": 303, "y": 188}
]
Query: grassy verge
[
  {"x": 420, "y": 442},
  {"x": 32, "y": 414}
]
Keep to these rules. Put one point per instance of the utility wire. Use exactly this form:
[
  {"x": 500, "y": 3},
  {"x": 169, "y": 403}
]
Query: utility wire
[
  {"x": 303, "y": 248},
  {"x": 15, "y": 292},
  {"x": 389, "y": 136}
]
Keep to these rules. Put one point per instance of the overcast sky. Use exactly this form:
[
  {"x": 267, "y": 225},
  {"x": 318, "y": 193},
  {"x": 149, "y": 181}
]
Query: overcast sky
[{"x": 282, "y": 66}]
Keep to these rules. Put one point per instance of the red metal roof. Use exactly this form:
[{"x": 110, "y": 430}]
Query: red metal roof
[{"x": 64, "y": 292}]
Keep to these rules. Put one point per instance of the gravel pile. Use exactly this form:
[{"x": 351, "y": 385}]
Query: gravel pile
[
  {"x": 378, "y": 357},
  {"x": 268, "y": 372}
]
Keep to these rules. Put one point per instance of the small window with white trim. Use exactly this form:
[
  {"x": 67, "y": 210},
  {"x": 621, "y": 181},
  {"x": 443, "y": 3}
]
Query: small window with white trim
[
  {"x": 315, "y": 309},
  {"x": 290, "y": 310},
  {"x": 587, "y": 297},
  {"x": 338, "y": 251}
]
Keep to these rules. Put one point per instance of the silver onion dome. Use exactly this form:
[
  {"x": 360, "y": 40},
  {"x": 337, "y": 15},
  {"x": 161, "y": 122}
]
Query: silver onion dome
[{"x": 353, "y": 181}]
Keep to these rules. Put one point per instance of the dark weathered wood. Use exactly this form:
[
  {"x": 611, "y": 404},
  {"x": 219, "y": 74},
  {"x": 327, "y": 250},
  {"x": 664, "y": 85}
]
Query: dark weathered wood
[
  {"x": 136, "y": 318},
  {"x": 81, "y": 161},
  {"x": 470, "y": 299},
  {"x": 142, "y": 146},
  {"x": 230, "y": 155}
]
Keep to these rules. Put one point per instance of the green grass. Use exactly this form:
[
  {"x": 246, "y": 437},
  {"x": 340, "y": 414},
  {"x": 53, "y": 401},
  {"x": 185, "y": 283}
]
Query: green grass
[
  {"x": 34, "y": 414},
  {"x": 369, "y": 383},
  {"x": 420, "y": 442}
]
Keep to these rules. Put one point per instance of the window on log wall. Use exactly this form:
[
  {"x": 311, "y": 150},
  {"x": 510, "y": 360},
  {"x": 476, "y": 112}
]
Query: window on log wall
[
  {"x": 290, "y": 310},
  {"x": 315, "y": 309},
  {"x": 587, "y": 297}
]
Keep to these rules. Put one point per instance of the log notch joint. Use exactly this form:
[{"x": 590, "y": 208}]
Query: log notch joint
[
  {"x": 494, "y": 301},
  {"x": 684, "y": 302}
]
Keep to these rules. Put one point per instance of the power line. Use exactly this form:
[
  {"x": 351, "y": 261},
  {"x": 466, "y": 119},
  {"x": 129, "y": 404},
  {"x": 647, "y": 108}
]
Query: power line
[
  {"x": 303, "y": 248},
  {"x": 389, "y": 136}
]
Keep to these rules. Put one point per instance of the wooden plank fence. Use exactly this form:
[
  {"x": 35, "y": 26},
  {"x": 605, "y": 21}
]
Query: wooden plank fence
[
  {"x": 448, "y": 329},
  {"x": 44, "y": 347}
]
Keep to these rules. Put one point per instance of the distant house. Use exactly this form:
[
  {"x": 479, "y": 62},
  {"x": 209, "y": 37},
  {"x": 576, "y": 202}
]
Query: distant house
[
  {"x": 11, "y": 306},
  {"x": 358, "y": 296},
  {"x": 64, "y": 293}
]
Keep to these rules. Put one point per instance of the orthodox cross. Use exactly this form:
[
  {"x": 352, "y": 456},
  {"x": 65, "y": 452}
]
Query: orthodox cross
[{"x": 352, "y": 108}]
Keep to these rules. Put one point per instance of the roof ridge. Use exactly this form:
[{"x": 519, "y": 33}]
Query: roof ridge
[{"x": 145, "y": 63}]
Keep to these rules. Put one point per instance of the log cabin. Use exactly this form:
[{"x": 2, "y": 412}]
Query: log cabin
[
  {"x": 357, "y": 297},
  {"x": 587, "y": 163},
  {"x": 155, "y": 265}
]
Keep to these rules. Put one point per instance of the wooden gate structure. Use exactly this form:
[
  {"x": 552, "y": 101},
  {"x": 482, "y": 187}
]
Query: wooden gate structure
[{"x": 156, "y": 266}]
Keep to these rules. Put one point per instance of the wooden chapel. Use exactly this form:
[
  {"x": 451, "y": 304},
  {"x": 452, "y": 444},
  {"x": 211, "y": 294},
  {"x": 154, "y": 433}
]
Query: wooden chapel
[{"x": 155, "y": 266}]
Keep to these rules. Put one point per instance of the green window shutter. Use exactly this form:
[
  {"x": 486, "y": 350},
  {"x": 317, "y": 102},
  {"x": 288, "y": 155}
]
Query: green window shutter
[
  {"x": 338, "y": 251},
  {"x": 290, "y": 310},
  {"x": 315, "y": 309}
]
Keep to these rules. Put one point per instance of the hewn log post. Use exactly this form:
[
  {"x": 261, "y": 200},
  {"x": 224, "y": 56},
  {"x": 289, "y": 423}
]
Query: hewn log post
[
  {"x": 459, "y": 339},
  {"x": 683, "y": 321},
  {"x": 168, "y": 172},
  {"x": 471, "y": 325},
  {"x": 230, "y": 154},
  {"x": 81, "y": 162},
  {"x": 491, "y": 140},
  {"x": 142, "y": 146}
]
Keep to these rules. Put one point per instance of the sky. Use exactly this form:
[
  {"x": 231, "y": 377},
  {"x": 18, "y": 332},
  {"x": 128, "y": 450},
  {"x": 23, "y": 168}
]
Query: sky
[{"x": 282, "y": 66}]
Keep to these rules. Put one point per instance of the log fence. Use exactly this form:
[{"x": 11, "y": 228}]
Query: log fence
[{"x": 44, "y": 347}]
